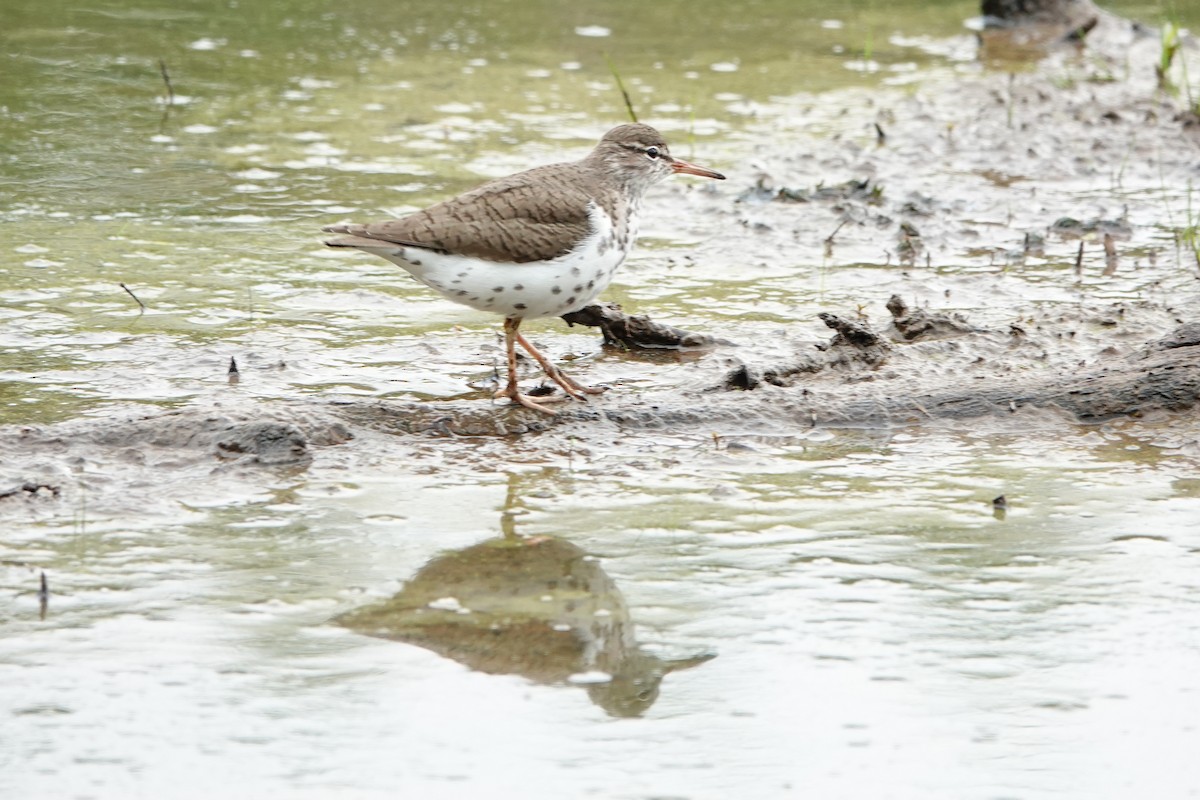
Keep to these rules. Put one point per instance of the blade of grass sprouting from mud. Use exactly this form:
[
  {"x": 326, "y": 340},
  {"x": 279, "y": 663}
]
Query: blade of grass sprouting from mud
[
  {"x": 868, "y": 44},
  {"x": 169, "y": 101},
  {"x": 141, "y": 305},
  {"x": 1167, "y": 47},
  {"x": 1172, "y": 26},
  {"x": 621, "y": 86},
  {"x": 1191, "y": 234},
  {"x": 43, "y": 595},
  {"x": 1193, "y": 103},
  {"x": 166, "y": 76}
]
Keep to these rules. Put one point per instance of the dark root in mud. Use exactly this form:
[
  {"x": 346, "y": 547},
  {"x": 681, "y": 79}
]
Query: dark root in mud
[
  {"x": 638, "y": 331},
  {"x": 853, "y": 345},
  {"x": 914, "y": 324}
]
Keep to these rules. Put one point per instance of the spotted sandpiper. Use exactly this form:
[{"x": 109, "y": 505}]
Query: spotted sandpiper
[{"x": 540, "y": 243}]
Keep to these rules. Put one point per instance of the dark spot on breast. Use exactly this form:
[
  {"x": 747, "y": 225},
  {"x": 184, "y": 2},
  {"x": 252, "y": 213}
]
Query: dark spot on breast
[
  {"x": 591, "y": 284},
  {"x": 497, "y": 289},
  {"x": 579, "y": 288},
  {"x": 571, "y": 300},
  {"x": 520, "y": 306},
  {"x": 414, "y": 262},
  {"x": 462, "y": 274},
  {"x": 575, "y": 271},
  {"x": 518, "y": 287},
  {"x": 461, "y": 293},
  {"x": 556, "y": 290}
]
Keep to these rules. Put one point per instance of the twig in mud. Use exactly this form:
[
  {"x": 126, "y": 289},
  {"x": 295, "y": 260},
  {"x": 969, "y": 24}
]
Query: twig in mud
[
  {"x": 637, "y": 331},
  {"x": 829, "y": 239},
  {"x": 571, "y": 440},
  {"x": 1079, "y": 261},
  {"x": 880, "y": 136},
  {"x": 233, "y": 374},
  {"x": 141, "y": 305},
  {"x": 1110, "y": 255},
  {"x": 166, "y": 76},
  {"x": 621, "y": 86},
  {"x": 43, "y": 596}
]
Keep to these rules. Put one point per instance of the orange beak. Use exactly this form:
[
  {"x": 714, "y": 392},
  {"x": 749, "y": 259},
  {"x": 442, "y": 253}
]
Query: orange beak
[{"x": 691, "y": 169}]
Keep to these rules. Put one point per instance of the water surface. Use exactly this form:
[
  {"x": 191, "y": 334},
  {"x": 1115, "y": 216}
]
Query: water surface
[{"x": 879, "y": 630}]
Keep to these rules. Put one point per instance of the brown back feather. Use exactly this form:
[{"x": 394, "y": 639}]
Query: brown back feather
[{"x": 534, "y": 215}]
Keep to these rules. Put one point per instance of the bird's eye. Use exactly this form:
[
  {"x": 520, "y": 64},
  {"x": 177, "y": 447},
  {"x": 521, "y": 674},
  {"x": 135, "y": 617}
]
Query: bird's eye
[{"x": 652, "y": 151}]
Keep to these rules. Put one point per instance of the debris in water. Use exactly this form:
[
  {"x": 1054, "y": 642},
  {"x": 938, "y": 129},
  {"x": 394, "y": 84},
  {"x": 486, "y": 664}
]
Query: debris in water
[{"x": 1000, "y": 507}]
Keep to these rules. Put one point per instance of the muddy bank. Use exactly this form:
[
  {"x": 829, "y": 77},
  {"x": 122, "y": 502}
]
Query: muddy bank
[
  {"x": 139, "y": 460},
  {"x": 924, "y": 367},
  {"x": 1077, "y": 159},
  {"x": 921, "y": 368}
]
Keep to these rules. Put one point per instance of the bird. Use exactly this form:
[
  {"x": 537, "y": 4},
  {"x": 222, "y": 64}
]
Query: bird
[{"x": 539, "y": 243}]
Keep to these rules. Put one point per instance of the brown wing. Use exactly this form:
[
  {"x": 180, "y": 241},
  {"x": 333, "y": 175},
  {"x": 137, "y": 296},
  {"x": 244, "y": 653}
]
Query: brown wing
[{"x": 531, "y": 216}]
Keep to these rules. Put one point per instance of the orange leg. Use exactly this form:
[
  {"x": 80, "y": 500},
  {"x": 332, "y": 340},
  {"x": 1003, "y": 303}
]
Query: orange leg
[
  {"x": 568, "y": 384},
  {"x": 573, "y": 388},
  {"x": 511, "y": 391}
]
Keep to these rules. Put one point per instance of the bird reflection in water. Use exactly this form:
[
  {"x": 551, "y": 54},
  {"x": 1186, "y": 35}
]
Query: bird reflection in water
[{"x": 535, "y": 606}]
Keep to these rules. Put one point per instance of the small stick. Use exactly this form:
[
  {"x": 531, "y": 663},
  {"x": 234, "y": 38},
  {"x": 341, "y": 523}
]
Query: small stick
[
  {"x": 829, "y": 238},
  {"x": 233, "y": 374},
  {"x": 43, "y": 595},
  {"x": 1079, "y": 261},
  {"x": 1110, "y": 255},
  {"x": 621, "y": 86},
  {"x": 880, "y": 136},
  {"x": 162, "y": 68},
  {"x": 135, "y": 297}
]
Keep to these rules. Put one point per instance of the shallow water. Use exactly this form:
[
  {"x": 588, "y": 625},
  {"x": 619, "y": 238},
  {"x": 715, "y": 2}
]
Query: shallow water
[{"x": 878, "y": 627}]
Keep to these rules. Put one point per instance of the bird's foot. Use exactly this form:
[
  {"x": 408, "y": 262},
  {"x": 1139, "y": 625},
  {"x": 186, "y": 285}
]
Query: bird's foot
[
  {"x": 536, "y": 404},
  {"x": 572, "y": 386},
  {"x": 569, "y": 385},
  {"x": 592, "y": 389}
]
